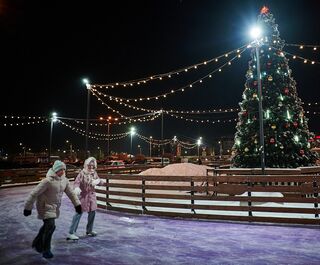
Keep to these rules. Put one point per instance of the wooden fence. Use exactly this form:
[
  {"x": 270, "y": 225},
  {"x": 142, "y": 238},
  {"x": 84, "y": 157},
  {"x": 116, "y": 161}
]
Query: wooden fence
[{"x": 253, "y": 198}]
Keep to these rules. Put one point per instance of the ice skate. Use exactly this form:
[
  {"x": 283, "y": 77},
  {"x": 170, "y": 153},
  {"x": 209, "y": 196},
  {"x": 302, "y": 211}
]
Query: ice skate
[
  {"x": 47, "y": 254},
  {"x": 92, "y": 233},
  {"x": 72, "y": 237}
]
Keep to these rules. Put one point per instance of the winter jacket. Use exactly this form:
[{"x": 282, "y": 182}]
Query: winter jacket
[
  {"x": 48, "y": 194},
  {"x": 84, "y": 181}
]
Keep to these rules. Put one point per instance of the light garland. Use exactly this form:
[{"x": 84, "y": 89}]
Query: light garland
[
  {"x": 82, "y": 132},
  {"x": 173, "y": 91},
  {"x": 139, "y": 81},
  {"x": 204, "y": 120},
  {"x": 302, "y": 46},
  {"x": 11, "y": 124},
  {"x": 294, "y": 57}
]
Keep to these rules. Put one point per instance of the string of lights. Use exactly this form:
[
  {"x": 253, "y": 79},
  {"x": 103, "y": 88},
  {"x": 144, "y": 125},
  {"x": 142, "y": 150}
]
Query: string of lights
[
  {"x": 173, "y": 91},
  {"x": 92, "y": 135},
  {"x": 11, "y": 124},
  {"x": 144, "y": 80},
  {"x": 294, "y": 57},
  {"x": 23, "y": 117},
  {"x": 203, "y": 120},
  {"x": 302, "y": 46}
]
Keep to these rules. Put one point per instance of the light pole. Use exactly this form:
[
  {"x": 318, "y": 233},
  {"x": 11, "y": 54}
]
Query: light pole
[
  {"x": 100, "y": 155},
  {"x": 70, "y": 146},
  {"x": 132, "y": 133},
  {"x": 256, "y": 33},
  {"x": 162, "y": 138},
  {"x": 53, "y": 120},
  {"x": 86, "y": 82},
  {"x": 150, "y": 146},
  {"x": 199, "y": 142},
  {"x": 139, "y": 146},
  {"x": 220, "y": 148}
]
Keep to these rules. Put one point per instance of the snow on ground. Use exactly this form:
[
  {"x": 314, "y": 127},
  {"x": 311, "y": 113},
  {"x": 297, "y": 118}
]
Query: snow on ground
[{"x": 188, "y": 169}]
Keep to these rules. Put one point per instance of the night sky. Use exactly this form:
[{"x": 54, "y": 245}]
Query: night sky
[{"x": 47, "y": 47}]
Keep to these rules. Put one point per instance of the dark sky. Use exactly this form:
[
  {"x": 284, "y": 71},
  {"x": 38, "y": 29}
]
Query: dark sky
[{"x": 47, "y": 47}]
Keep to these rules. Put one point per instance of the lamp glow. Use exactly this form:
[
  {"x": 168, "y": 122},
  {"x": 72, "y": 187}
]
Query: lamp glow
[{"x": 255, "y": 32}]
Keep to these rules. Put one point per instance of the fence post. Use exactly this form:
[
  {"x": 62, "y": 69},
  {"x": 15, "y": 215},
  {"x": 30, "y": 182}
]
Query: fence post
[
  {"x": 192, "y": 193},
  {"x": 107, "y": 189},
  {"x": 143, "y": 195},
  {"x": 249, "y": 195},
  {"x": 316, "y": 194}
]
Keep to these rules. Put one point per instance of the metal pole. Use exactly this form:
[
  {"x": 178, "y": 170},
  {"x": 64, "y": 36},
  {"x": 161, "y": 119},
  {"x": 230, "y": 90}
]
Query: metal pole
[
  {"x": 262, "y": 157},
  {"x": 162, "y": 137},
  {"x": 87, "y": 120},
  {"x": 131, "y": 147},
  {"x": 150, "y": 147},
  {"x": 108, "y": 147},
  {"x": 50, "y": 141}
]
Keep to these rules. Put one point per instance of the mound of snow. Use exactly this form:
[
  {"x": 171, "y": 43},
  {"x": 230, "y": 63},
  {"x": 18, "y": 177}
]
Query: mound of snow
[{"x": 181, "y": 169}]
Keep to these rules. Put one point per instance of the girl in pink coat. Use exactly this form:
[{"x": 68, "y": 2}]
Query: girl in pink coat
[{"x": 84, "y": 186}]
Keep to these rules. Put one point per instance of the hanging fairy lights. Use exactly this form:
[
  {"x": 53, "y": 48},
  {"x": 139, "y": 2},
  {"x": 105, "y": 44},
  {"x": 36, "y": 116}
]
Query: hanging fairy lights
[
  {"x": 172, "y": 91},
  {"x": 12, "y": 124},
  {"x": 302, "y": 46},
  {"x": 167, "y": 75}
]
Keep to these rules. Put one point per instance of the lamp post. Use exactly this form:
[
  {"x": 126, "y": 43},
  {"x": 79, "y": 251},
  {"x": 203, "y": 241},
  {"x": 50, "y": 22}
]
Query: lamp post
[
  {"x": 150, "y": 146},
  {"x": 86, "y": 82},
  {"x": 70, "y": 146},
  {"x": 139, "y": 146},
  {"x": 199, "y": 142},
  {"x": 132, "y": 133},
  {"x": 53, "y": 120},
  {"x": 220, "y": 148},
  {"x": 256, "y": 33},
  {"x": 162, "y": 151}
]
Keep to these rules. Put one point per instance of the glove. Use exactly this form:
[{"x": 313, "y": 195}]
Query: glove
[
  {"x": 95, "y": 182},
  {"x": 26, "y": 212},
  {"x": 77, "y": 191},
  {"x": 78, "y": 209}
]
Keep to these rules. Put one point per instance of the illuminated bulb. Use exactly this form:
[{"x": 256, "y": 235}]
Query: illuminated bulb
[
  {"x": 169, "y": 76},
  {"x": 226, "y": 55},
  {"x": 195, "y": 67},
  {"x": 182, "y": 89},
  {"x": 312, "y": 62},
  {"x": 144, "y": 81},
  {"x": 315, "y": 48},
  {"x": 269, "y": 48},
  {"x": 210, "y": 76},
  {"x": 239, "y": 55},
  {"x": 216, "y": 59},
  {"x": 229, "y": 63},
  {"x": 294, "y": 57},
  {"x": 172, "y": 91},
  {"x": 200, "y": 81},
  {"x": 190, "y": 86},
  {"x": 301, "y": 47},
  {"x": 138, "y": 83},
  {"x": 238, "y": 50},
  {"x": 305, "y": 61},
  {"x": 160, "y": 78},
  {"x": 205, "y": 63},
  {"x": 220, "y": 70},
  {"x": 186, "y": 70}
]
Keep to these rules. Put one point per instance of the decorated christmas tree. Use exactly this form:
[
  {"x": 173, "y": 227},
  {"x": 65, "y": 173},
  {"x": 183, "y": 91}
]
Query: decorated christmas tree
[{"x": 287, "y": 140}]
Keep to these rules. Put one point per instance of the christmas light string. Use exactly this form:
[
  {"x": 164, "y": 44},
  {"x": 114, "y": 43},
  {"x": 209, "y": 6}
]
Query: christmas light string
[
  {"x": 294, "y": 57},
  {"x": 144, "y": 80},
  {"x": 172, "y": 91},
  {"x": 91, "y": 135},
  {"x": 23, "y": 117},
  {"x": 11, "y": 124},
  {"x": 302, "y": 46}
]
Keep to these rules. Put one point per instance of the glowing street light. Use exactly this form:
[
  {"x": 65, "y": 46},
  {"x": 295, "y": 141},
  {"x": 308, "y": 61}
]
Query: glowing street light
[
  {"x": 132, "y": 133},
  {"x": 199, "y": 142},
  {"x": 88, "y": 86},
  {"x": 53, "y": 120}
]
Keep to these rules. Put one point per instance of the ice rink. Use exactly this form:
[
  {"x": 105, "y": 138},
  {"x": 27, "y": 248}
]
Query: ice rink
[{"x": 140, "y": 239}]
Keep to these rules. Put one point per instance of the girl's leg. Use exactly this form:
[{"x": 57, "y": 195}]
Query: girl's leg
[
  {"x": 37, "y": 242},
  {"x": 75, "y": 223},
  {"x": 49, "y": 227},
  {"x": 91, "y": 216}
]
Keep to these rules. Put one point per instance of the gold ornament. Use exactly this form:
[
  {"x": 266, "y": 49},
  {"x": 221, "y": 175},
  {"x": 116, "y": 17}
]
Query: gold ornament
[
  {"x": 246, "y": 149},
  {"x": 254, "y": 95},
  {"x": 270, "y": 78},
  {"x": 273, "y": 126}
]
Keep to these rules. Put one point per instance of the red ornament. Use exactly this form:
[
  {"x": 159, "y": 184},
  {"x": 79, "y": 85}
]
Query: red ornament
[
  {"x": 287, "y": 125},
  {"x": 295, "y": 124},
  {"x": 286, "y": 90},
  {"x": 301, "y": 152},
  {"x": 311, "y": 140},
  {"x": 264, "y": 10},
  {"x": 272, "y": 141}
]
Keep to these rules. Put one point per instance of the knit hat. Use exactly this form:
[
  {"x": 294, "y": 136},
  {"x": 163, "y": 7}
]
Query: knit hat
[{"x": 58, "y": 165}]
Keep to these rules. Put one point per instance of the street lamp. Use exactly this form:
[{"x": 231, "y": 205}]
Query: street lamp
[
  {"x": 132, "y": 133},
  {"x": 53, "y": 120},
  {"x": 139, "y": 146},
  {"x": 70, "y": 146},
  {"x": 88, "y": 86},
  {"x": 256, "y": 33},
  {"x": 150, "y": 147},
  {"x": 220, "y": 148},
  {"x": 199, "y": 142}
]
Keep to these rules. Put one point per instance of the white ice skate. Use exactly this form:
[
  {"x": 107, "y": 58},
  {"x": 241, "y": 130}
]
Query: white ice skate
[
  {"x": 72, "y": 237},
  {"x": 92, "y": 233}
]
